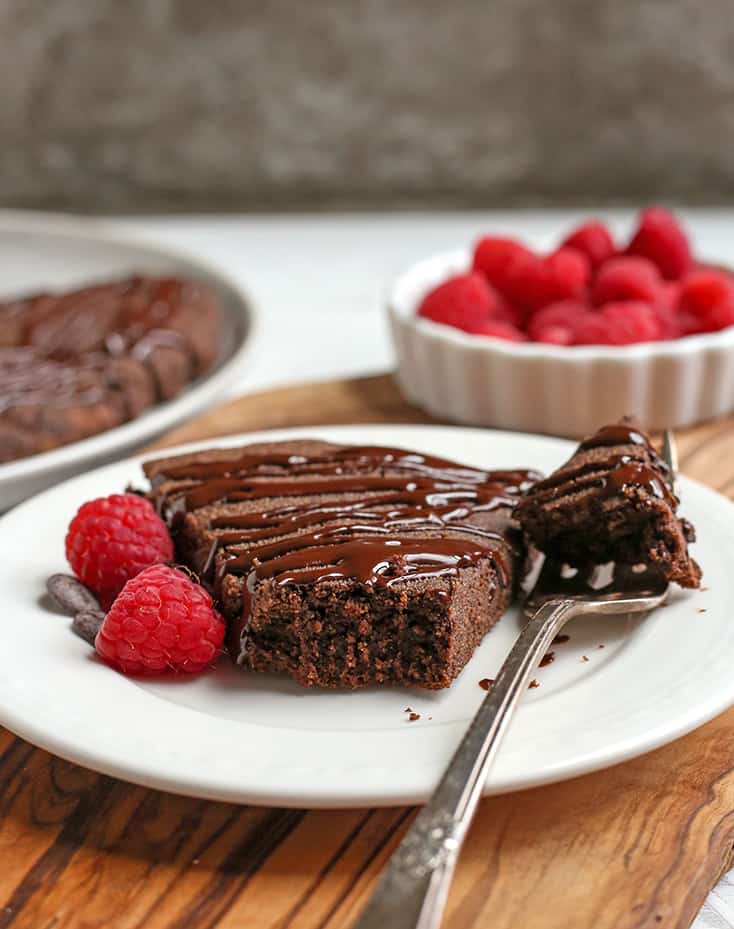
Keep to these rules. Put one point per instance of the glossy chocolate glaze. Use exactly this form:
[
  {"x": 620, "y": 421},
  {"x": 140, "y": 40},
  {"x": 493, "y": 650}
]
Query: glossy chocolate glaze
[
  {"x": 412, "y": 521},
  {"x": 352, "y": 457},
  {"x": 627, "y": 471},
  {"x": 616, "y": 434},
  {"x": 630, "y": 473},
  {"x": 617, "y": 471}
]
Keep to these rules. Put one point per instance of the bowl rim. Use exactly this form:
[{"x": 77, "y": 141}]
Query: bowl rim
[
  {"x": 160, "y": 417},
  {"x": 404, "y": 312}
]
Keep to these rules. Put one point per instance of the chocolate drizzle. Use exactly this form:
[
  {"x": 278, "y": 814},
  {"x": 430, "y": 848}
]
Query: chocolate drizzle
[
  {"x": 412, "y": 516},
  {"x": 618, "y": 471},
  {"x": 627, "y": 471},
  {"x": 630, "y": 473},
  {"x": 616, "y": 434}
]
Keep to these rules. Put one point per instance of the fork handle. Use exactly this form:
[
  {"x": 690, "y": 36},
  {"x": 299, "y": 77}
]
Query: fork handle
[{"x": 413, "y": 889}]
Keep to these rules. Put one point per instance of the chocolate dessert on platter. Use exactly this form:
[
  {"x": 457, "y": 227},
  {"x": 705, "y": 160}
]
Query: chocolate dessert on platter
[
  {"x": 346, "y": 566},
  {"x": 613, "y": 500},
  {"x": 77, "y": 363}
]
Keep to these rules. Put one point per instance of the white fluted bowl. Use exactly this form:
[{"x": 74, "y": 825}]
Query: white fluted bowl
[{"x": 552, "y": 389}]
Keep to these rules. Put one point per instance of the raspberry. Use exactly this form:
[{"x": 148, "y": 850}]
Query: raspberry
[
  {"x": 532, "y": 282},
  {"x": 502, "y": 311},
  {"x": 594, "y": 241},
  {"x": 619, "y": 324},
  {"x": 509, "y": 313},
  {"x": 669, "y": 325},
  {"x": 669, "y": 295},
  {"x": 718, "y": 317},
  {"x": 500, "y": 330},
  {"x": 660, "y": 238},
  {"x": 112, "y": 538},
  {"x": 705, "y": 288},
  {"x": 705, "y": 302},
  {"x": 564, "y": 314},
  {"x": 627, "y": 279},
  {"x": 566, "y": 275},
  {"x": 555, "y": 335},
  {"x": 464, "y": 301},
  {"x": 161, "y": 621},
  {"x": 594, "y": 330},
  {"x": 498, "y": 259},
  {"x": 665, "y": 311},
  {"x": 527, "y": 283}
]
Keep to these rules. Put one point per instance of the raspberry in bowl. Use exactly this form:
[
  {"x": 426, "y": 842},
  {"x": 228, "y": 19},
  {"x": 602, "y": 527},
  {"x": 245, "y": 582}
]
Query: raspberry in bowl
[{"x": 500, "y": 335}]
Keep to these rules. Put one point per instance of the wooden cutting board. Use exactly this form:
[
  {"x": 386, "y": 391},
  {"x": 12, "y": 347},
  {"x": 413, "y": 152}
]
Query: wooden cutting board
[{"x": 638, "y": 845}]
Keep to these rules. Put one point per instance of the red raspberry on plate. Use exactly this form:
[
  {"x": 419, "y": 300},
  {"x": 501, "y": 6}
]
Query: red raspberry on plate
[
  {"x": 619, "y": 324},
  {"x": 500, "y": 330},
  {"x": 464, "y": 301},
  {"x": 627, "y": 278},
  {"x": 593, "y": 240},
  {"x": 660, "y": 238},
  {"x": 706, "y": 301},
  {"x": 112, "y": 538},
  {"x": 161, "y": 621},
  {"x": 564, "y": 314}
]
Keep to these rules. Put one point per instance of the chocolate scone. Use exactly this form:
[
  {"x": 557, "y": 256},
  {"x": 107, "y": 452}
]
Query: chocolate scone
[
  {"x": 611, "y": 501},
  {"x": 75, "y": 364},
  {"x": 346, "y": 566}
]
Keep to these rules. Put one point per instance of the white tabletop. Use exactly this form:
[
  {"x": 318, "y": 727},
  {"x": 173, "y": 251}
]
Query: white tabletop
[{"x": 318, "y": 283}]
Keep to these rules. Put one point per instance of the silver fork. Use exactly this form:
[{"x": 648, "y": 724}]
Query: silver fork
[{"x": 413, "y": 889}]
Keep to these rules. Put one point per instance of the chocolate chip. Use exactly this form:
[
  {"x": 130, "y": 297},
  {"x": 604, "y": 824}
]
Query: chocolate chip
[
  {"x": 70, "y": 595},
  {"x": 87, "y": 624}
]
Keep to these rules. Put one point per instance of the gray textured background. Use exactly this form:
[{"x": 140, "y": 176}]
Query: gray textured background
[{"x": 187, "y": 104}]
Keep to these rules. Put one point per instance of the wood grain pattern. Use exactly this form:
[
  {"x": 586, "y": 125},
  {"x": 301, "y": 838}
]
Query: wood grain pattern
[{"x": 634, "y": 847}]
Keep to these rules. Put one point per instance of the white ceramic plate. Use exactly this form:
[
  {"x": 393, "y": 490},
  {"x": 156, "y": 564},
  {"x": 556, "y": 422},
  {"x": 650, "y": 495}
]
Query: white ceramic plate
[
  {"x": 244, "y": 737},
  {"x": 55, "y": 252}
]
